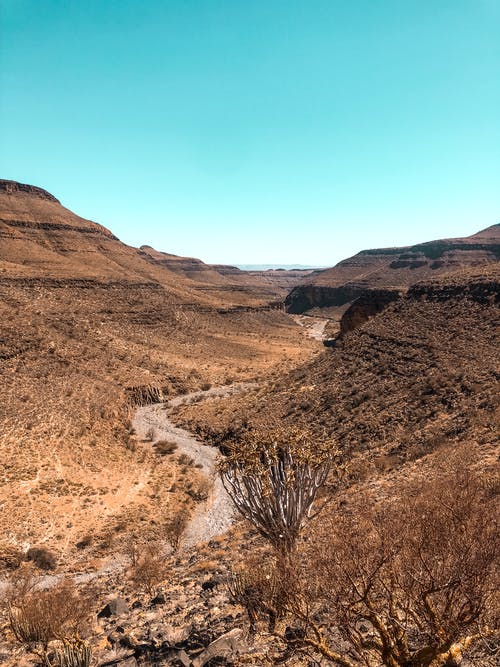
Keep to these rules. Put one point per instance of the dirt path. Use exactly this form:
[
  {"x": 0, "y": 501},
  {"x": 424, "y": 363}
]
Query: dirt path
[
  {"x": 314, "y": 326},
  {"x": 215, "y": 515}
]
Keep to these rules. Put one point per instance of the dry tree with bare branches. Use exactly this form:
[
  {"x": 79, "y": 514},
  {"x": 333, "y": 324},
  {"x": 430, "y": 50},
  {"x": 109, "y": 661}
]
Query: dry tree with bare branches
[
  {"x": 273, "y": 477},
  {"x": 408, "y": 584}
]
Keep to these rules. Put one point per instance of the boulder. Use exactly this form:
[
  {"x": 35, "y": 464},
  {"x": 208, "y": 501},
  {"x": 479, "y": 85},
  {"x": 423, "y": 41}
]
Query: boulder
[
  {"x": 115, "y": 607},
  {"x": 226, "y": 645}
]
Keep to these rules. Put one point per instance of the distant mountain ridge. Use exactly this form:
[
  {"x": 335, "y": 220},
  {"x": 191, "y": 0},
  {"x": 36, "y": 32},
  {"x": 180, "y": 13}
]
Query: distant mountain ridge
[
  {"x": 40, "y": 239},
  {"x": 277, "y": 267},
  {"x": 393, "y": 269}
]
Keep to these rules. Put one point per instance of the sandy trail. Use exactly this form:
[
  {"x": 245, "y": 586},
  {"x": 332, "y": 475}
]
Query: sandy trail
[
  {"x": 314, "y": 327},
  {"x": 215, "y": 515}
]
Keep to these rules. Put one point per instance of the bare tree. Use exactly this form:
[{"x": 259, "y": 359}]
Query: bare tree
[
  {"x": 409, "y": 584},
  {"x": 273, "y": 477}
]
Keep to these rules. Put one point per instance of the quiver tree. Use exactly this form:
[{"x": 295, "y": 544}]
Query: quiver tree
[{"x": 273, "y": 477}]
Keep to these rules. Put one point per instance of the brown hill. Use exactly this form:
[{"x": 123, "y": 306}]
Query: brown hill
[
  {"x": 393, "y": 269},
  {"x": 226, "y": 282},
  {"x": 88, "y": 325},
  {"x": 41, "y": 239},
  {"x": 421, "y": 374}
]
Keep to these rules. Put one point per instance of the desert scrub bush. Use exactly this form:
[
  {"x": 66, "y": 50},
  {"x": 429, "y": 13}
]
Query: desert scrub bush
[
  {"x": 10, "y": 557},
  {"x": 164, "y": 447},
  {"x": 150, "y": 434},
  {"x": 85, "y": 542},
  {"x": 185, "y": 460},
  {"x": 265, "y": 587},
  {"x": 42, "y": 557},
  {"x": 199, "y": 491},
  {"x": 38, "y": 617},
  {"x": 149, "y": 568},
  {"x": 173, "y": 529},
  {"x": 409, "y": 583}
]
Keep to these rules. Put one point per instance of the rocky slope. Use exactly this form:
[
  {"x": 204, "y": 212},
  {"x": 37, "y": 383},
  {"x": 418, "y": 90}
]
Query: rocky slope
[
  {"x": 393, "y": 269},
  {"x": 420, "y": 374},
  {"x": 412, "y": 378},
  {"x": 40, "y": 239},
  {"x": 89, "y": 327}
]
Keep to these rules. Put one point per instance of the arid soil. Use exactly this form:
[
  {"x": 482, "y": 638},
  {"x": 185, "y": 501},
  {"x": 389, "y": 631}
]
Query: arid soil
[
  {"x": 89, "y": 329},
  {"x": 122, "y": 371},
  {"x": 420, "y": 374}
]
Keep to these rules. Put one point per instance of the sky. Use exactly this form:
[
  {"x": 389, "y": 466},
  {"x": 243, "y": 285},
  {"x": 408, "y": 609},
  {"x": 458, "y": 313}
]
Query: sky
[{"x": 257, "y": 131}]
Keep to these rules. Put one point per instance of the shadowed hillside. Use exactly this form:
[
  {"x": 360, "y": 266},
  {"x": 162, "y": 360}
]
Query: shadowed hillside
[{"x": 420, "y": 374}]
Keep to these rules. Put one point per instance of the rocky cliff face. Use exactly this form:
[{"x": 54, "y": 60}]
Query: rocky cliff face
[
  {"x": 366, "y": 307},
  {"x": 306, "y": 296},
  {"x": 13, "y": 187},
  {"x": 393, "y": 268}
]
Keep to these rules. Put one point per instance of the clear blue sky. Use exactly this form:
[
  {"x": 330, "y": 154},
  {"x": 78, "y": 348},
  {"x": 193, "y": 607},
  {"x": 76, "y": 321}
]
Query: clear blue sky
[{"x": 254, "y": 131}]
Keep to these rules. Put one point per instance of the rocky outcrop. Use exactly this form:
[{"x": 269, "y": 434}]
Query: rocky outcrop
[
  {"x": 366, "y": 307},
  {"x": 307, "y": 296},
  {"x": 12, "y": 187},
  {"x": 145, "y": 395},
  {"x": 393, "y": 269},
  {"x": 484, "y": 289},
  {"x": 57, "y": 226}
]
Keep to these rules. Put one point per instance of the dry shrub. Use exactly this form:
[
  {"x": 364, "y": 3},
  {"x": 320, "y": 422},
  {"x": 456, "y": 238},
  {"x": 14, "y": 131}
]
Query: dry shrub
[
  {"x": 164, "y": 447},
  {"x": 265, "y": 587},
  {"x": 150, "y": 434},
  {"x": 200, "y": 491},
  {"x": 174, "y": 529},
  {"x": 149, "y": 568},
  {"x": 10, "y": 557},
  {"x": 42, "y": 557},
  {"x": 38, "y": 617},
  {"x": 409, "y": 584},
  {"x": 185, "y": 460}
]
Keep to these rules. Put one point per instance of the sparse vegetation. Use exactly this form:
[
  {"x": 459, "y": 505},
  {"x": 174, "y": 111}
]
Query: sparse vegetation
[
  {"x": 398, "y": 570},
  {"x": 11, "y": 557},
  {"x": 42, "y": 557},
  {"x": 37, "y": 617},
  {"x": 405, "y": 582},
  {"x": 148, "y": 568},
  {"x": 164, "y": 447},
  {"x": 150, "y": 434},
  {"x": 174, "y": 529},
  {"x": 273, "y": 477}
]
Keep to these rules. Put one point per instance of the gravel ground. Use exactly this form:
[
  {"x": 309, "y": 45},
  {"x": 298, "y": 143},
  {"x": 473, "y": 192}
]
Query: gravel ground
[
  {"x": 215, "y": 515},
  {"x": 314, "y": 326}
]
